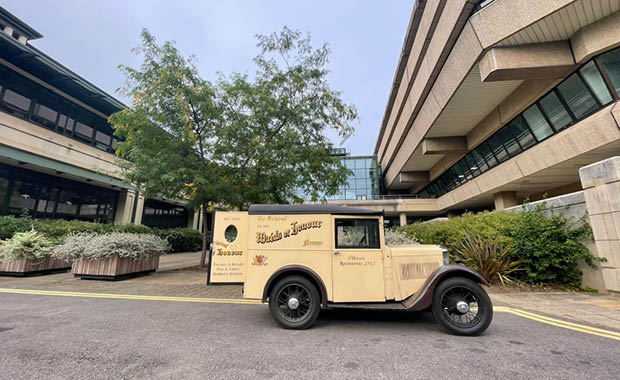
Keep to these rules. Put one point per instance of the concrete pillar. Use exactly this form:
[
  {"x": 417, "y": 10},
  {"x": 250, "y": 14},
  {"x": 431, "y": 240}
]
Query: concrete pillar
[
  {"x": 403, "y": 219},
  {"x": 8, "y": 30},
  {"x": 192, "y": 219},
  {"x": 124, "y": 207},
  {"x": 139, "y": 209},
  {"x": 505, "y": 199},
  {"x": 601, "y": 184}
]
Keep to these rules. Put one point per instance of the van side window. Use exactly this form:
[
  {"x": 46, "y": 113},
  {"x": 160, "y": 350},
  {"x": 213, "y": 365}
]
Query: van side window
[{"x": 357, "y": 233}]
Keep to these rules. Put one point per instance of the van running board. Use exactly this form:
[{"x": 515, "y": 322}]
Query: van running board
[{"x": 368, "y": 306}]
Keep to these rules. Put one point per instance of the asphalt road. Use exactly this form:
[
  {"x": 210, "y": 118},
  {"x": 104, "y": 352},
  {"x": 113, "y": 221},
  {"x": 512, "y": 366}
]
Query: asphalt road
[{"x": 51, "y": 337}]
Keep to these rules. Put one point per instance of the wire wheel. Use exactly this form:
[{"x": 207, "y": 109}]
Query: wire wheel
[
  {"x": 294, "y": 302},
  {"x": 461, "y": 307}
]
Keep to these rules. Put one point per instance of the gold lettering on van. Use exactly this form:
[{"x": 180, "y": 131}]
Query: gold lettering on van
[
  {"x": 417, "y": 270},
  {"x": 277, "y": 235}
]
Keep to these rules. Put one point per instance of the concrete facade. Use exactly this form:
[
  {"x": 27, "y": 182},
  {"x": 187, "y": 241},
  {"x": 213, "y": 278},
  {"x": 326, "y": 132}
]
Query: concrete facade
[{"x": 467, "y": 70}]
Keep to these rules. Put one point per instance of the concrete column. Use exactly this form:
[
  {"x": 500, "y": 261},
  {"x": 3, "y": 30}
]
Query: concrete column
[
  {"x": 192, "y": 219},
  {"x": 139, "y": 209},
  {"x": 601, "y": 184},
  {"x": 403, "y": 219},
  {"x": 505, "y": 199},
  {"x": 124, "y": 207},
  {"x": 8, "y": 30}
]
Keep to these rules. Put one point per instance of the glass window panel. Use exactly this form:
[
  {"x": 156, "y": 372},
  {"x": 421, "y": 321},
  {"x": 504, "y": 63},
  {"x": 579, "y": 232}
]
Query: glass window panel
[
  {"x": 522, "y": 132},
  {"x": 83, "y": 130},
  {"x": 45, "y": 113},
  {"x": 486, "y": 152},
  {"x": 498, "y": 148},
  {"x": 594, "y": 79},
  {"x": 611, "y": 62},
  {"x": 357, "y": 233},
  {"x": 555, "y": 111},
  {"x": 478, "y": 160},
  {"x": 16, "y": 100},
  {"x": 509, "y": 141},
  {"x": 70, "y": 123},
  {"x": 88, "y": 209},
  {"x": 103, "y": 138},
  {"x": 577, "y": 96},
  {"x": 23, "y": 196},
  {"x": 4, "y": 186},
  {"x": 537, "y": 122}
]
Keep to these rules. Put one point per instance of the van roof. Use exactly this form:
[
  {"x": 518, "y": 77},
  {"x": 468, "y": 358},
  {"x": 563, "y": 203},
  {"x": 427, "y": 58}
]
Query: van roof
[{"x": 310, "y": 209}]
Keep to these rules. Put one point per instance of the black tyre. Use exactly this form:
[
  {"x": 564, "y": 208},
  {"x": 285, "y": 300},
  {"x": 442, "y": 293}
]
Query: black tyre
[
  {"x": 294, "y": 302},
  {"x": 462, "y": 307}
]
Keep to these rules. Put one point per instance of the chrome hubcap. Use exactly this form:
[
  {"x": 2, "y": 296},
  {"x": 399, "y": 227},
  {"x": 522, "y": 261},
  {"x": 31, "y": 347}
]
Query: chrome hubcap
[
  {"x": 293, "y": 303},
  {"x": 462, "y": 307}
]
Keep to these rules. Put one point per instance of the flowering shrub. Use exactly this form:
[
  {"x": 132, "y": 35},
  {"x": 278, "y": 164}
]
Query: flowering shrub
[
  {"x": 395, "y": 237},
  {"x": 90, "y": 246},
  {"x": 30, "y": 245}
]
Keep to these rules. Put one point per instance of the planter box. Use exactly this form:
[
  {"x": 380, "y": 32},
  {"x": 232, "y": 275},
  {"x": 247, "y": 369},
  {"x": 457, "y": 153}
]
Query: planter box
[
  {"x": 114, "y": 268},
  {"x": 23, "y": 267}
]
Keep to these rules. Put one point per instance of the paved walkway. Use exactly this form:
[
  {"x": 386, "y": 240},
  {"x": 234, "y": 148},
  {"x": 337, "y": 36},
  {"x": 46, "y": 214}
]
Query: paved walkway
[{"x": 178, "y": 261}]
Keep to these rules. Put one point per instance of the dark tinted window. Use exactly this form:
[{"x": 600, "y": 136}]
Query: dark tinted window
[
  {"x": 555, "y": 111},
  {"x": 577, "y": 96}
]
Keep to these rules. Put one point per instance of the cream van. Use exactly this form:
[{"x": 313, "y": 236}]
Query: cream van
[{"x": 301, "y": 258}]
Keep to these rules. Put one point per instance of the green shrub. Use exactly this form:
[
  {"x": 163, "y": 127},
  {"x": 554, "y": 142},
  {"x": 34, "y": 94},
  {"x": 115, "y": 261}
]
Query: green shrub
[
  {"x": 91, "y": 246},
  {"x": 58, "y": 228},
  {"x": 550, "y": 248},
  {"x": 395, "y": 237},
  {"x": 133, "y": 228},
  {"x": 9, "y": 225},
  {"x": 30, "y": 245},
  {"x": 450, "y": 233},
  {"x": 493, "y": 260},
  {"x": 182, "y": 239}
]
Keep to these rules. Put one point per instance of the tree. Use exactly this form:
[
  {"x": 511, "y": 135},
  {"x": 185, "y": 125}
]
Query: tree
[{"x": 238, "y": 141}]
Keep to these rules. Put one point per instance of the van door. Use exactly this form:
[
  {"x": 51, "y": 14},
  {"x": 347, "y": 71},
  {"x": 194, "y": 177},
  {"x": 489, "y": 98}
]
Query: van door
[{"x": 357, "y": 260}]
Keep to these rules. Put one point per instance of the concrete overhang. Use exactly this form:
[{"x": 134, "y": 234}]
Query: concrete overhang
[
  {"x": 444, "y": 145},
  {"x": 536, "y": 61},
  {"x": 414, "y": 177}
]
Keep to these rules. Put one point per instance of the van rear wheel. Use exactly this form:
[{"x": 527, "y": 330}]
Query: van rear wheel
[
  {"x": 462, "y": 307},
  {"x": 294, "y": 302}
]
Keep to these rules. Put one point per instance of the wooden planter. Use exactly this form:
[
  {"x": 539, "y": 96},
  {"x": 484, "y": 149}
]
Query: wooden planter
[
  {"x": 23, "y": 267},
  {"x": 114, "y": 268}
]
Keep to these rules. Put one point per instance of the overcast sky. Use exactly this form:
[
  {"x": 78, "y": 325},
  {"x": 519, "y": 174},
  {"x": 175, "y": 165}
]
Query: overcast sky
[{"x": 93, "y": 37}]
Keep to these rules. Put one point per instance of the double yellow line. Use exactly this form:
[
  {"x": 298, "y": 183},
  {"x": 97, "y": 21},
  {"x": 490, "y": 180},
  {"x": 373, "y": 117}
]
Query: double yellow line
[
  {"x": 559, "y": 323},
  {"x": 500, "y": 309},
  {"x": 131, "y": 297}
]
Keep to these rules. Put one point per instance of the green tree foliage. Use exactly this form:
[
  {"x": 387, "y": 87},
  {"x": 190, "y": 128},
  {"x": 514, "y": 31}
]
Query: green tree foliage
[{"x": 241, "y": 140}]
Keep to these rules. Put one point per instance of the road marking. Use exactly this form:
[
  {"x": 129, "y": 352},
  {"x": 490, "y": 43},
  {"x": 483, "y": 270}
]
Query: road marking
[
  {"x": 559, "y": 323},
  {"x": 131, "y": 297},
  {"x": 500, "y": 309}
]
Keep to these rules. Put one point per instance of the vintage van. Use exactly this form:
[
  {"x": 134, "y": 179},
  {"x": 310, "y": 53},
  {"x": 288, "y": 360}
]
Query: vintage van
[{"x": 301, "y": 258}]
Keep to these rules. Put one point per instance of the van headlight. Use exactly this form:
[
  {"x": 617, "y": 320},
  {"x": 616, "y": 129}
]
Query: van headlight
[{"x": 446, "y": 257}]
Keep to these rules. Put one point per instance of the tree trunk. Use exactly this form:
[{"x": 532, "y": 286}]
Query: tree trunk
[{"x": 205, "y": 237}]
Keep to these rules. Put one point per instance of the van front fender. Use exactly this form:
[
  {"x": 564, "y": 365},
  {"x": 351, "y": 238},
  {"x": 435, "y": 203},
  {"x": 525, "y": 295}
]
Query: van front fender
[{"x": 424, "y": 297}]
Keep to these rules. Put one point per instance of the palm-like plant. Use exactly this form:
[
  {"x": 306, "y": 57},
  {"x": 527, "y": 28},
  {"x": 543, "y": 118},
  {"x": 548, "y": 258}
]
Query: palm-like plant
[{"x": 490, "y": 258}]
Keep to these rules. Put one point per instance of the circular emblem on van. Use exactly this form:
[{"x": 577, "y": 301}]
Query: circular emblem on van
[
  {"x": 230, "y": 234},
  {"x": 259, "y": 260}
]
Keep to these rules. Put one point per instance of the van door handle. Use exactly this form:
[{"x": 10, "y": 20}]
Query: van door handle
[{"x": 336, "y": 252}]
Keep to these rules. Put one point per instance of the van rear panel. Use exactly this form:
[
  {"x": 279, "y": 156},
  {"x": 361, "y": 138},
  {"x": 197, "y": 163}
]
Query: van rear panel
[{"x": 230, "y": 248}]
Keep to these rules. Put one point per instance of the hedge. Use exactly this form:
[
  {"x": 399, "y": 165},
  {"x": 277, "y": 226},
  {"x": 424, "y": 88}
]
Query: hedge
[
  {"x": 548, "y": 248},
  {"x": 180, "y": 239}
]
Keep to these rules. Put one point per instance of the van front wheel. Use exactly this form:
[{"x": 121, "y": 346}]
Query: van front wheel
[
  {"x": 462, "y": 307},
  {"x": 294, "y": 302}
]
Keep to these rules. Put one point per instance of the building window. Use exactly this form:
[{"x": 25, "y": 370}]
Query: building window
[
  {"x": 159, "y": 214},
  {"x": 537, "y": 122},
  {"x": 27, "y": 100},
  {"x": 611, "y": 65},
  {"x": 555, "y": 111},
  {"x": 594, "y": 79},
  {"x": 45, "y": 196},
  {"x": 578, "y": 98}
]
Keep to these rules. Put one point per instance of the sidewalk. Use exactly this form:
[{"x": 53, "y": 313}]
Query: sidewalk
[{"x": 592, "y": 309}]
